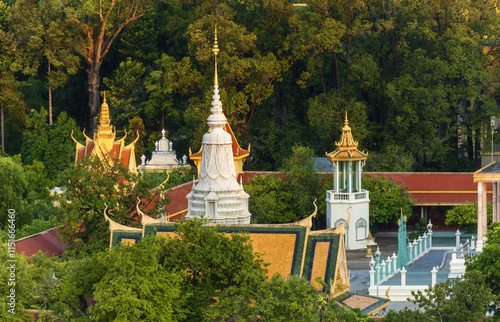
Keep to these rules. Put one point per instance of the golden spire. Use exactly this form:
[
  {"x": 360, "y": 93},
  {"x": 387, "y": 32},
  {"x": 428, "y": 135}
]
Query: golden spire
[
  {"x": 104, "y": 117},
  {"x": 346, "y": 139},
  {"x": 347, "y": 148},
  {"x": 216, "y": 50},
  {"x": 104, "y": 129}
]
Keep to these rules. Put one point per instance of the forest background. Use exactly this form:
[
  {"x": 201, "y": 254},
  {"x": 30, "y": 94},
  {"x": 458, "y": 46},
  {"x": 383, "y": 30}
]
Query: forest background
[{"x": 419, "y": 79}]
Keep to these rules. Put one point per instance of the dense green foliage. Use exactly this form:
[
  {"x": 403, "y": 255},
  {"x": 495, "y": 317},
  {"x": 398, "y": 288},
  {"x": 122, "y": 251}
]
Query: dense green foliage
[
  {"x": 487, "y": 262},
  {"x": 464, "y": 299},
  {"x": 280, "y": 299},
  {"x": 50, "y": 144},
  {"x": 466, "y": 216},
  {"x": 387, "y": 201},
  {"x": 197, "y": 274},
  {"x": 288, "y": 196},
  {"x": 93, "y": 186},
  {"x": 418, "y": 79}
]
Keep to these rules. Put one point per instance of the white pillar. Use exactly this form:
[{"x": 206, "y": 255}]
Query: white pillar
[
  {"x": 434, "y": 273},
  {"x": 457, "y": 239},
  {"x": 358, "y": 164},
  {"x": 372, "y": 277},
  {"x": 497, "y": 204},
  {"x": 494, "y": 201},
  {"x": 481, "y": 214},
  {"x": 420, "y": 246},
  {"x": 349, "y": 177},
  {"x": 394, "y": 261},
  {"x": 389, "y": 266},
  {"x": 415, "y": 247},
  {"x": 344, "y": 174},
  {"x": 403, "y": 276},
  {"x": 336, "y": 177}
]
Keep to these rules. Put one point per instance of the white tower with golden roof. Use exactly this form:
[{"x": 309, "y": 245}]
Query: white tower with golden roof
[
  {"x": 218, "y": 197},
  {"x": 348, "y": 162}
]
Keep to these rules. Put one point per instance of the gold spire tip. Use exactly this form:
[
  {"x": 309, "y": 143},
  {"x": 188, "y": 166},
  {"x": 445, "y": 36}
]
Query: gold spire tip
[
  {"x": 216, "y": 45},
  {"x": 216, "y": 50},
  {"x": 346, "y": 122}
]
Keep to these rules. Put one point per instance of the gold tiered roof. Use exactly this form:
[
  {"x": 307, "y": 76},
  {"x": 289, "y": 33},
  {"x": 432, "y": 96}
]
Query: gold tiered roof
[
  {"x": 104, "y": 145},
  {"x": 105, "y": 129},
  {"x": 347, "y": 148}
]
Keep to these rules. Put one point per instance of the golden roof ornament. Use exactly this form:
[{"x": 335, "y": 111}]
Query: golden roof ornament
[
  {"x": 216, "y": 51},
  {"x": 346, "y": 139},
  {"x": 104, "y": 129},
  {"x": 347, "y": 148}
]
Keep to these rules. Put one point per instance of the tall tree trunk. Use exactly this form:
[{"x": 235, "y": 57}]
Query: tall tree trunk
[
  {"x": 347, "y": 55},
  {"x": 477, "y": 150},
  {"x": 94, "y": 98},
  {"x": 394, "y": 53},
  {"x": 282, "y": 108},
  {"x": 335, "y": 72},
  {"x": 322, "y": 80},
  {"x": 50, "y": 96},
  {"x": 1, "y": 117}
]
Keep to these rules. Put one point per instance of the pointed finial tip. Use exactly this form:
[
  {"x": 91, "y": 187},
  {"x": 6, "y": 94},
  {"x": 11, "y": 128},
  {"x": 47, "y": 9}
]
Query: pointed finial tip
[
  {"x": 216, "y": 50},
  {"x": 104, "y": 100},
  {"x": 216, "y": 45}
]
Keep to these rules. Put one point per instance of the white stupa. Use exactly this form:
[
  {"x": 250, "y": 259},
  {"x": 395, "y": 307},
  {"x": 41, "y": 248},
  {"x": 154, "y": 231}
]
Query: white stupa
[
  {"x": 163, "y": 158},
  {"x": 218, "y": 197}
]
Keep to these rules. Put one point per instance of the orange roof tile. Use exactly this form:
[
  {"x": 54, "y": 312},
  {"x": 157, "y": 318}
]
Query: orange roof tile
[
  {"x": 125, "y": 159},
  {"x": 46, "y": 242}
]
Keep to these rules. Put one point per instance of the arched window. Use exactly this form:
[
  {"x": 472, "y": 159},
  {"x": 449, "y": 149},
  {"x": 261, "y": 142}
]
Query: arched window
[
  {"x": 361, "y": 225},
  {"x": 346, "y": 236}
]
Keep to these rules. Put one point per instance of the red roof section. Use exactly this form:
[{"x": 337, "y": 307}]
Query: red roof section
[
  {"x": 90, "y": 147},
  {"x": 115, "y": 150},
  {"x": 436, "y": 188},
  {"x": 125, "y": 159},
  {"x": 46, "y": 242},
  {"x": 80, "y": 154}
]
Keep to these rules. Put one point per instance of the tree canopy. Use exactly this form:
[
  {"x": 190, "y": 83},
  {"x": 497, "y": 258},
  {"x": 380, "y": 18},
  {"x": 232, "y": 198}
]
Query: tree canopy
[{"x": 419, "y": 80}]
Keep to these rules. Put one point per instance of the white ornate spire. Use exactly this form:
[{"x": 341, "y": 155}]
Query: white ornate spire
[
  {"x": 217, "y": 118},
  {"x": 218, "y": 196}
]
